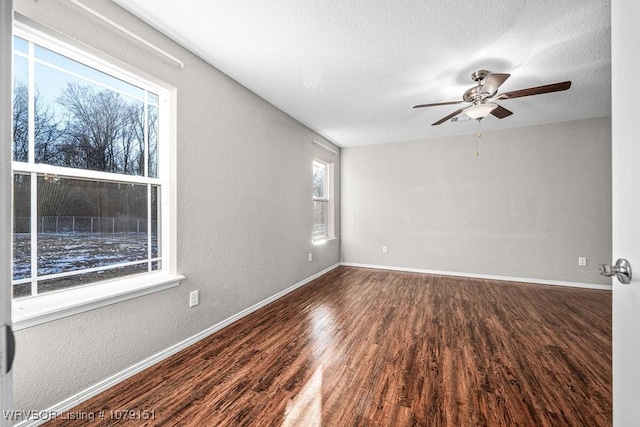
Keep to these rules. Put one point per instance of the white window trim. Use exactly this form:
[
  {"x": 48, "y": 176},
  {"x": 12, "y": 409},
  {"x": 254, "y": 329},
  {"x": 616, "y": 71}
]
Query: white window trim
[
  {"x": 28, "y": 312},
  {"x": 321, "y": 242},
  {"x": 31, "y": 311},
  {"x": 330, "y": 236}
]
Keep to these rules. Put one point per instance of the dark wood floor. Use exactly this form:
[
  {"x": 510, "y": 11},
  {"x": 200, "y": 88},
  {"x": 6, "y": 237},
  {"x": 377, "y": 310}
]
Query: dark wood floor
[{"x": 379, "y": 348}]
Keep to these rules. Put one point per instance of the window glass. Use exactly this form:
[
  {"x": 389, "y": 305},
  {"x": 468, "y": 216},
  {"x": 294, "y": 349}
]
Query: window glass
[
  {"x": 21, "y": 262},
  {"x": 82, "y": 125},
  {"x": 153, "y": 98},
  {"x": 152, "y": 132},
  {"x": 82, "y": 225},
  {"x": 87, "y": 73},
  {"x": 319, "y": 218},
  {"x": 20, "y": 45},
  {"x": 86, "y": 224},
  {"x": 73, "y": 224},
  {"x": 156, "y": 249},
  {"x": 20, "y": 109},
  {"x": 319, "y": 179},
  {"x": 60, "y": 283}
]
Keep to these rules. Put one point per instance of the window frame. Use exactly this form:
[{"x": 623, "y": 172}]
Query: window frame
[
  {"x": 329, "y": 200},
  {"x": 32, "y": 310}
]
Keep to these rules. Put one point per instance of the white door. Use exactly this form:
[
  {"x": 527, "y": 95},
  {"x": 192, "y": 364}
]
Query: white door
[
  {"x": 5, "y": 204},
  {"x": 625, "y": 48}
]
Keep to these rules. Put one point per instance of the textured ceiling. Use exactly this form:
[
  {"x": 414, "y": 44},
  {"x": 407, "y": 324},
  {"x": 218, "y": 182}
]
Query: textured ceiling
[{"x": 352, "y": 69}]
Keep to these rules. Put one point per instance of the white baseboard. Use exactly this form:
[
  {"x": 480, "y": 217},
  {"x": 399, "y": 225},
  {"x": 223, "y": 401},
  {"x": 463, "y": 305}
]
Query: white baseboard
[
  {"x": 96, "y": 389},
  {"x": 482, "y": 276}
]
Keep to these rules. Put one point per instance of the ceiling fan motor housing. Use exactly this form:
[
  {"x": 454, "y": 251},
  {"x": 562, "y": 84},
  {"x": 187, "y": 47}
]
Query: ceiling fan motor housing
[
  {"x": 472, "y": 94},
  {"x": 479, "y": 75}
]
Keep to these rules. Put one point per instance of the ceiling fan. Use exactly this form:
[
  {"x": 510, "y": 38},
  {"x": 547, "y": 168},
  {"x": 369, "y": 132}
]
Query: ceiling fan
[{"x": 483, "y": 95}]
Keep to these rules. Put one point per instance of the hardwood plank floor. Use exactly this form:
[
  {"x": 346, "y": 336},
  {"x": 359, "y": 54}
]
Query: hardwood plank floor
[{"x": 379, "y": 348}]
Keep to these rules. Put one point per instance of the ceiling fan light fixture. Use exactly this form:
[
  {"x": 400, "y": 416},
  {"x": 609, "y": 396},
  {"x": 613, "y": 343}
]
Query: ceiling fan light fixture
[{"x": 480, "y": 111}]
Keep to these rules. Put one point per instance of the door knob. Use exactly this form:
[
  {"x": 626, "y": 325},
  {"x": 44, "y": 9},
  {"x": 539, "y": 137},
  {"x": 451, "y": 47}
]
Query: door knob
[
  {"x": 7, "y": 349},
  {"x": 622, "y": 270}
]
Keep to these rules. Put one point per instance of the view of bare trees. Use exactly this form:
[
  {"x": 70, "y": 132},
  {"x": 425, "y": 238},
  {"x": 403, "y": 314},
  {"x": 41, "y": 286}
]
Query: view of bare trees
[
  {"x": 88, "y": 128},
  {"x": 46, "y": 130}
]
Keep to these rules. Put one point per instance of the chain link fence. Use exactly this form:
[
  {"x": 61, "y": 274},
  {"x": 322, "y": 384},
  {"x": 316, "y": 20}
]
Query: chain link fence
[{"x": 84, "y": 224}]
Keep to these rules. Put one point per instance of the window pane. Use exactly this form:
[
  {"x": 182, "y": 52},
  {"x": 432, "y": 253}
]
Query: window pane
[
  {"x": 153, "y": 98},
  {"x": 20, "y": 109},
  {"x": 156, "y": 250},
  {"x": 22, "y": 290},
  {"x": 86, "y": 278},
  {"x": 89, "y": 73},
  {"x": 153, "y": 141},
  {"x": 319, "y": 180},
  {"x": 20, "y": 45},
  {"x": 80, "y": 125},
  {"x": 319, "y": 218},
  {"x": 21, "y": 233},
  {"x": 87, "y": 224}
]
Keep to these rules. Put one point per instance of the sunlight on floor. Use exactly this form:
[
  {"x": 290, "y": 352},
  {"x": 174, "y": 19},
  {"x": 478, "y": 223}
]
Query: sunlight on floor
[
  {"x": 324, "y": 325},
  {"x": 306, "y": 408}
]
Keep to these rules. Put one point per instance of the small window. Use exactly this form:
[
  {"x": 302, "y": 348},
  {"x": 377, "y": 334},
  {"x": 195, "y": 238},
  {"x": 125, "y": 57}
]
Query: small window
[
  {"x": 90, "y": 175},
  {"x": 322, "y": 201}
]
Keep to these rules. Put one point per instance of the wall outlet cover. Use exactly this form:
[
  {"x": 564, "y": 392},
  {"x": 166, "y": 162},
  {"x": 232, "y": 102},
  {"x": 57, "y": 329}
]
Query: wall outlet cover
[{"x": 193, "y": 298}]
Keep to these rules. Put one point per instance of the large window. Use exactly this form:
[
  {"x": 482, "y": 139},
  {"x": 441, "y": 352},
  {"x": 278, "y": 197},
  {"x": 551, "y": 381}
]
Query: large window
[
  {"x": 90, "y": 169},
  {"x": 322, "y": 201}
]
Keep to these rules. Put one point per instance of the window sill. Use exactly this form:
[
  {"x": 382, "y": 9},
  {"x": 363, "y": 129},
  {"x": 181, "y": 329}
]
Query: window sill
[
  {"x": 30, "y": 312},
  {"x": 324, "y": 241}
]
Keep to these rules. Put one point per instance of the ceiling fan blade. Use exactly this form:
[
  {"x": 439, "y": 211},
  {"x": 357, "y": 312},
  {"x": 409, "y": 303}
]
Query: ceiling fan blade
[
  {"x": 438, "y": 103},
  {"x": 444, "y": 119},
  {"x": 554, "y": 87},
  {"x": 492, "y": 82},
  {"x": 501, "y": 112}
]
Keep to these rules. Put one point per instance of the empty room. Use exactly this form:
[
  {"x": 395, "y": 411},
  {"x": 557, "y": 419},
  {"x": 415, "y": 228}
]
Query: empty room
[{"x": 306, "y": 213}]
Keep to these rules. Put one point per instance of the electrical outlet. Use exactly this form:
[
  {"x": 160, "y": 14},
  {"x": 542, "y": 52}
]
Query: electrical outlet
[
  {"x": 193, "y": 298},
  {"x": 582, "y": 261},
  {"x": 385, "y": 249},
  {"x": 310, "y": 257}
]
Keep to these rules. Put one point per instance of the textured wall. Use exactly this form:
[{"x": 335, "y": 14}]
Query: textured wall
[
  {"x": 244, "y": 216},
  {"x": 534, "y": 200}
]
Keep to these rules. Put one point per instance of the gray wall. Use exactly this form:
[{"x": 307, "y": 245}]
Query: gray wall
[
  {"x": 244, "y": 216},
  {"x": 532, "y": 202}
]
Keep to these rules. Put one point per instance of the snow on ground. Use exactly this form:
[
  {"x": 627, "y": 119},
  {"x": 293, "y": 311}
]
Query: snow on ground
[{"x": 63, "y": 252}]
